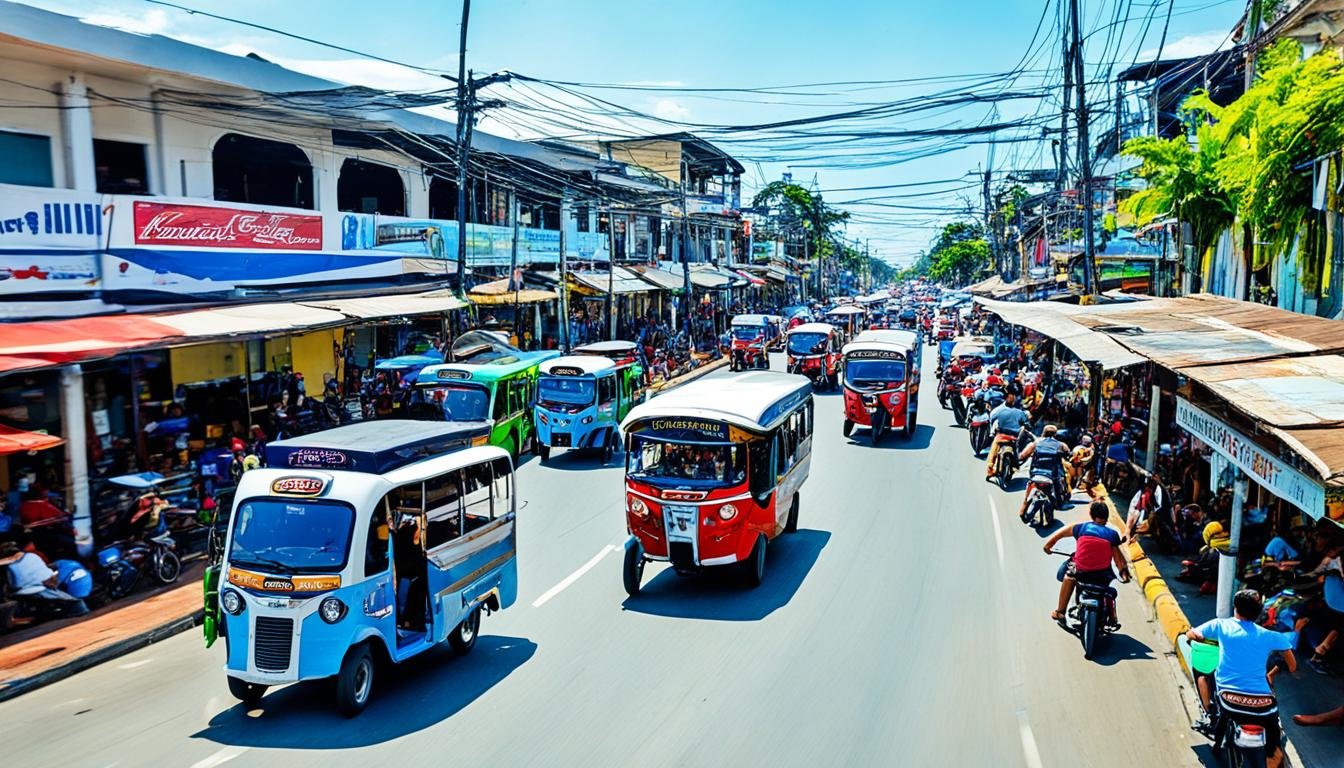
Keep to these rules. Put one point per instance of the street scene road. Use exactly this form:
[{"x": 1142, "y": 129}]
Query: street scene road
[{"x": 904, "y": 623}]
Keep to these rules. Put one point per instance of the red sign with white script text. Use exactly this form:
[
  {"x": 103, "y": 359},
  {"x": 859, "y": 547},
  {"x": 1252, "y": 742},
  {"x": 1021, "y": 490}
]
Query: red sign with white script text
[{"x": 171, "y": 224}]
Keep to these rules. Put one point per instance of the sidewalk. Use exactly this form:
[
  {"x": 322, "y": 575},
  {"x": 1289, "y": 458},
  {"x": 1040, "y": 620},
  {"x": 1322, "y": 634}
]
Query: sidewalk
[
  {"x": 44, "y": 653},
  {"x": 1305, "y": 692}
]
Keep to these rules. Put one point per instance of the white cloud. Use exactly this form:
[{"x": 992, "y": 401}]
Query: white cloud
[
  {"x": 670, "y": 109},
  {"x": 1190, "y": 45},
  {"x": 152, "y": 22}
]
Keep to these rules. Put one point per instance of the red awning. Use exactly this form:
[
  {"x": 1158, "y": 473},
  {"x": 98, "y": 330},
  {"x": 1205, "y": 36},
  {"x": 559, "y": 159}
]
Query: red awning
[
  {"x": 21, "y": 441},
  {"x": 754, "y": 280},
  {"x": 57, "y": 342}
]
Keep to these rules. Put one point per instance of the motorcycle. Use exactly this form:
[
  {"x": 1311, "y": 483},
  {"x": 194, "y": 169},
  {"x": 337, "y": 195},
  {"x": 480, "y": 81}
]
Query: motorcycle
[
  {"x": 1040, "y": 501},
  {"x": 124, "y": 563},
  {"x": 1005, "y": 464},
  {"x": 1092, "y": 614},
  {"x": 978, "y": 427},
  {"x": 1236, "y": 741}
]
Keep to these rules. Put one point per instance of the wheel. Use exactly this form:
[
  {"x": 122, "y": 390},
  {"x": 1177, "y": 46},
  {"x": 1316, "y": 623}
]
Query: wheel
[
  {"x": 875, "y": 434},
  {"x": 248, "y": 693},
  {"x": 543, "y": 452},
  {"x": 791, "y": 522},
  {"x": 608, "y": 448},
  {"x": 1089, "y": 633},
  {"x": 633, "y": 572},
  {"x": 1005, "y": 470},
  {"x": 848, "y": 428},
  {"x": 754, "y": 565},
  {"x": 463, "y": 636},
  {"x": 833, "y": 381},
  {"x": 354, "y": 683},
  {"x": 169, "y": 567}
]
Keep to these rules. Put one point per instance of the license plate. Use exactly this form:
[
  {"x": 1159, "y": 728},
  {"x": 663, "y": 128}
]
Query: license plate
[
  {"x": 680, "y": 522},
  {"x": 560, "y": 439},
  {"x": 1250, "y": 737}
]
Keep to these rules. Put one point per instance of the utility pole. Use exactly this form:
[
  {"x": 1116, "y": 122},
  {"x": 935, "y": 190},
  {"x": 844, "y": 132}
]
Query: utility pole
[
  {"x": 611, "y": 273},
  {"x": 1062, "y": 179},
  {"x": 514, "y": 274},
  {"x": 467, "y": 85},
  {"x": 1084, "y": 157},
  {"x": 685, "y": 258},
  {"x": 563, "y": 287}
]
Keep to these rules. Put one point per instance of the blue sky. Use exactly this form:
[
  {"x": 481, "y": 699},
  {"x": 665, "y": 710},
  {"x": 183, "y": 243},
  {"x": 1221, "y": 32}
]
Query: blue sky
[{"x": 707, "y": 43}]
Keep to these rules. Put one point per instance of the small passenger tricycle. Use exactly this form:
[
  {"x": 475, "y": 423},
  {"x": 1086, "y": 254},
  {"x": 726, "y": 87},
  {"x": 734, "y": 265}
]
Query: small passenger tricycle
[
  {"x": 368, "y": 543},
  {"x": 581, "y": 400},
  {"x": 814, "y": 351},
  {"x": 882, "y": 382},
  {"x": 753, "y": 335},
  {"x": 713, "y": 471}
]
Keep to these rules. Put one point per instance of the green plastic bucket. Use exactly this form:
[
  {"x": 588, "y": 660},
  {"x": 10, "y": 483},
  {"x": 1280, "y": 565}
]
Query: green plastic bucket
[{"x": 1204, "y": 657}]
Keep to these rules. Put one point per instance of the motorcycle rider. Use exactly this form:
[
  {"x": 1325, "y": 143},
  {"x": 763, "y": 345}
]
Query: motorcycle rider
[
  {"x": 1245, "y": 648},
  {"x": 1098, "y": 546},
  {"x": 1047, "y": 458},
  {"x": 1006, "y": 423}
]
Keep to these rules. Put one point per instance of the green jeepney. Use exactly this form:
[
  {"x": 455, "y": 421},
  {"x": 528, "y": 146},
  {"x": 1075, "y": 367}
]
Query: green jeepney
[{"x": 501, "y": 391}]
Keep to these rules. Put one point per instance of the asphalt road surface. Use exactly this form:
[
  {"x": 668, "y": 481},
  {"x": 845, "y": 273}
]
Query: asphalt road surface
[{"x": 904, "y": 624}]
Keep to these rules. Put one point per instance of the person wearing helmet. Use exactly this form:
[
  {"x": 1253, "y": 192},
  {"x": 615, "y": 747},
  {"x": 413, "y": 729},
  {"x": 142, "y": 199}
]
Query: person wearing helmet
[
  {"x": 1047, "y": 458},
  {"x": 1079, "y": 460}
]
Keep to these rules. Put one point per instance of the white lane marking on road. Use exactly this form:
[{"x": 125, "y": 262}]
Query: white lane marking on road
[
  {"x": 1029, "y": 750},
  {"x": 573, "y": 577},
  {"x": 998, "y": 531},
  {"x": 134, "y": 664},
  {"x": 219, "y": 758}
]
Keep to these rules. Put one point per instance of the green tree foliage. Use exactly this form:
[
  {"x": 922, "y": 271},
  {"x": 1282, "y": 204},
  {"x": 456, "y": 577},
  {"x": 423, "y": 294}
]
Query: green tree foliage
[
  {"x": 794, "y": 208},
  {"x": 958, "y": 255},
  {"x": 1246, "y": 158}
]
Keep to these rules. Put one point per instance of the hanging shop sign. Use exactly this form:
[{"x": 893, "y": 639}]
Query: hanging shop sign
[
  {"x": 49, "y": 218},
  {"x": 210, "y": 227},
  {"x": 1280, "y": 479}
]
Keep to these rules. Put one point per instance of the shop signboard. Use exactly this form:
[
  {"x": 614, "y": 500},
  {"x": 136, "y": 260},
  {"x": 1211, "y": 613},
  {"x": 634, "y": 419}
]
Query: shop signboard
[
  {"x": 48, "y": 239},
  {"x": 488, "y": 245},
  {"x": 1280, "y": 479},
  {"x": 203, "y": 226}
]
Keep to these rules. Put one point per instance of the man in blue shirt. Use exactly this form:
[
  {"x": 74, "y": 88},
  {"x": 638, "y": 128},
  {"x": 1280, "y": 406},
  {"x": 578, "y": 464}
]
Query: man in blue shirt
[
  {"x": 1245, "y": 651},
  {"x": 1005, "y": 422}
]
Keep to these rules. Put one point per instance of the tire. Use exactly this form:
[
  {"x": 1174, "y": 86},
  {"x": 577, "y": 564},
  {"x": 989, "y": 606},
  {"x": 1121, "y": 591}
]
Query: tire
[
  {"x": 463, "y": 637},
  {"x": 754, "y": 565},
  {"x": 248, "y": 693},
  {"x": 354, "y": 683},
  {"x": 848, "y": 428},
  {"x": 168, "y": 568},
  {"x": 543, "y": 452},
  {"x": 608, "y": 449},
  {"x": 633, "y": 572},
  {"x": 1089, "y": 633},
  {"x": 1005, "y": 470},
  {"x": 791, "y": 522}
]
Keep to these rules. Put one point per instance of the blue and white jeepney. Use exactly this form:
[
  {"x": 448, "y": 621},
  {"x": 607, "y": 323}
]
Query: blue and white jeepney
[
  {"x": 581, "y": 400},
  {"x": 370, "y": 542}
]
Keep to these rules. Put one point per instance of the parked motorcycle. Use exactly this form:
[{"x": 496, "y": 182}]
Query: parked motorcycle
[{"x": 124, "y": 563}]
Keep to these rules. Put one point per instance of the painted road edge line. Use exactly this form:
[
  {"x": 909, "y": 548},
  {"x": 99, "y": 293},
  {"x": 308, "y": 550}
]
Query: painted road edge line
[
  {"x": 1030, "y": 752},
  {"x": 573, "y": 577}
]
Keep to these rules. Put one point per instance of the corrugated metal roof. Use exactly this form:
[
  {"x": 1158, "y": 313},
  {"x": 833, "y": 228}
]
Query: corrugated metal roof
[
  {"x": 1055, "y": 320},
  {"x": 1287, "y": 392}
]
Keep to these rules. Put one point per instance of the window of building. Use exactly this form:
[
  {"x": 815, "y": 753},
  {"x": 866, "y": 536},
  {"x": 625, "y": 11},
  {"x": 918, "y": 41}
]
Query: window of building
[
  {"x": 260, "y": 171},
  {"x": 26, "y": 159},
  {"x": 370, "y": 188},
  {"x": 443, "y": 199},
  {"x": 581, "y": 218},
  {"x": 120, "y": 167}
]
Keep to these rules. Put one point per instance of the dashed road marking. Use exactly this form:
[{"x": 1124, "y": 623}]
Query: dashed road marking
[
  {"x": 573, "y": 577},
  {"x": 1030, "y": 752},
  {"x": 219, "y": 758},
  {"x": 998, "y": 530}
]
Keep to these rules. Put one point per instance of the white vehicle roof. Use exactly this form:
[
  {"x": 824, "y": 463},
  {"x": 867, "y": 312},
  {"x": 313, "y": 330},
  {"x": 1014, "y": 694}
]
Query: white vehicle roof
[
  {"x": 813, "y": 328},
  {"x": 753, "y": 319},
  {"x": 755, "y": 400},
  {"x": 890, "y": 336},
  {"x": 846, "y": 310},
  {"x": 590, "y": 365}
]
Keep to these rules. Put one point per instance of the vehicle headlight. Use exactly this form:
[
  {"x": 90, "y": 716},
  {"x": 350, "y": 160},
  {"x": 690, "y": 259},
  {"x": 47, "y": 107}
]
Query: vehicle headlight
[
  {"x": 586, "y": 420},
  {"x": 638, "y": 508},
  {"x": 331, "y": 610},
  {"x": 542, "y": 418},
  {"x": 727, "y": 512},
  {"x": 231, "y": 602}
]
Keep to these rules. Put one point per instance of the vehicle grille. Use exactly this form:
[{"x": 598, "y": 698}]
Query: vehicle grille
[{"x": 274, "y": 639}]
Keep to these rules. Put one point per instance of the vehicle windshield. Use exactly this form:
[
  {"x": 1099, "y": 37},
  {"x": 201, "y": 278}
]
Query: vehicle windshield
[
  {"x": 459, "y": 402},
  {"x": 566, "y": 392},
  {"x": 874, "y": 374},
  {"x": 747, "y": 332},
  {"x": 662, "y": 462},
  {"x": 291, "y": 535},
  {"x": 807, "y": 343}
]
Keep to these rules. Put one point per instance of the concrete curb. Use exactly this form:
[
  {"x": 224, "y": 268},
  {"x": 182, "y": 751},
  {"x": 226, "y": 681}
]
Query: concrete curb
[
  {"x": 1170, "y": 618},
  {"x": 94, "y": 658}
]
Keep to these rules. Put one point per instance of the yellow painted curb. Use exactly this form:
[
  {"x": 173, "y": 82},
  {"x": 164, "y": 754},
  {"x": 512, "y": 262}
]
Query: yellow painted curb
[{"x": 1168, "y": 611}]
